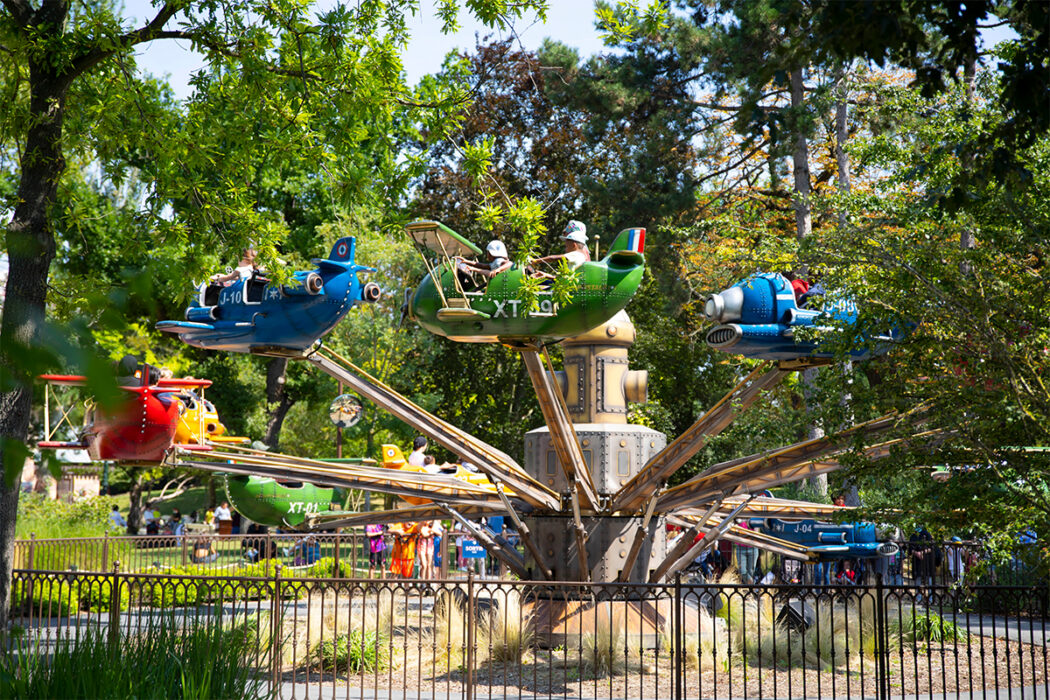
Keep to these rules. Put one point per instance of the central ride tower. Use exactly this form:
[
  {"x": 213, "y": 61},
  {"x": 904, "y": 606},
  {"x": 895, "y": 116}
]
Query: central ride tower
[{"x": 598, "y": 386}]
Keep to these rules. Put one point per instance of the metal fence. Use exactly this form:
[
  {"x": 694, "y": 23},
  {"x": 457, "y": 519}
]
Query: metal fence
[
  {"x": 343, "y": 552},
  {"x": 360, "y": 638}
]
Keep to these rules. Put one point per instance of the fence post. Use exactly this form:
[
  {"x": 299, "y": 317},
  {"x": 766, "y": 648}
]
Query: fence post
[
  {"x": 881, "y": 670},
  {"x": 678, "y": 637},
  {"x": 469, "y": 690},
  {"x": 338, "y": 542},
  {"x": 114, "y": 609},
  {"x": 105, "y": 550},
  {"x": 275, "y": 629},
  {"x": 32, "y": 550}
]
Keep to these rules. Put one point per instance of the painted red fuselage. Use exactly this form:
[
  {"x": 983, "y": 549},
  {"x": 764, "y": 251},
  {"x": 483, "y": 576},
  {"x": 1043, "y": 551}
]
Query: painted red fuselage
[{"x": 141, "y": 429}]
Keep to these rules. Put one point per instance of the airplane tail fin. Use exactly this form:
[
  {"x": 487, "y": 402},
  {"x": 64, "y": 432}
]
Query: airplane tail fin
[
  {"x": 343, "y": 250},
  {"x": 629, "y": 247},
  {"x": 392, "y": 457}
]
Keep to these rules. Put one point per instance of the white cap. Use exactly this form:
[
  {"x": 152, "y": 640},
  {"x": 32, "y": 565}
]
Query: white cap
[
  {"x": 496, "y": 249},
  {"x": 575, "y": 231}
]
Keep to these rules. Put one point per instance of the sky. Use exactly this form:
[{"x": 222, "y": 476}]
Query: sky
[{"x": 568, "y": 21}]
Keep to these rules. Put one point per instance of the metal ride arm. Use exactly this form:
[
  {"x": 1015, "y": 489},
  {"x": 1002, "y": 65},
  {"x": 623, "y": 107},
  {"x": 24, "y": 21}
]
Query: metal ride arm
[
  {"x": 671, "y": 458},
  {"x": 500, "y": 549},
  {"x": 683, "y": 544},
  {"x": 487, "y": 458},
  {"x": 430, "y": 511},
  {"x": 694, "y": 551},
  {"x": 524, "y": 533},
  {"x": 639, "y": 539},
  {"x": 581, "y": 535},
  {"x": 562, "y": 434},
  {"x": 729, "y": 476},
  {"x": 393, "y": 481}
]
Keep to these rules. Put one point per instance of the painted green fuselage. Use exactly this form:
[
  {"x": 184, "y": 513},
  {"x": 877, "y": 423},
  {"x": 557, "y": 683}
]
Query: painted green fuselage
[
  {"x": 604, "y": 289},
  {"x": 262, "y": 500}
]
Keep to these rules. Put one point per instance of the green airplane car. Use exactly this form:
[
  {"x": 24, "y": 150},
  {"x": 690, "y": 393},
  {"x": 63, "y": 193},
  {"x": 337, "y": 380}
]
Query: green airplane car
[
  {"x": 268, "y": 502},
  {"x": 481, "y": 309}
]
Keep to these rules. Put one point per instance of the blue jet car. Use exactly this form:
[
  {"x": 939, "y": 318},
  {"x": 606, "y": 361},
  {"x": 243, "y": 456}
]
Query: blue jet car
[
  {"x": 257, "y": 316},
  {"x": 759, "y": 315},
  {"x": 828, "y": 541}
]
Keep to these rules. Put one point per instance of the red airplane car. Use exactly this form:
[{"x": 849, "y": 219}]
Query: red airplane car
[{"x": 140, "y": 430}]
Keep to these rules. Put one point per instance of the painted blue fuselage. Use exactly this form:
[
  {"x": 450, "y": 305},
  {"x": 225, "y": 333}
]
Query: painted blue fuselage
[
  {"x": 826, "y": 540},
  {"x": 256, "y": 315},
  {"x": 760, "y": 318}
]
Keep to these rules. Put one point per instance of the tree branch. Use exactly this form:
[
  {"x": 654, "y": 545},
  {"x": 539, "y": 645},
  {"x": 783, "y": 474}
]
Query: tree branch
[
  {"x": 149, "y": 32},
  {"x": 20, "y": 9}
]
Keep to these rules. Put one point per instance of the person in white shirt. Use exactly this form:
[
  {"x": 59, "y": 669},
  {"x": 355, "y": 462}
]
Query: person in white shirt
[
  {"x": 243, "y": 271},
  {"x": 116, "y": 518},
  {"x": 576, "y": 253},
  {"x": 223, "y": 512},
  {"x": 419, "y": 448}
]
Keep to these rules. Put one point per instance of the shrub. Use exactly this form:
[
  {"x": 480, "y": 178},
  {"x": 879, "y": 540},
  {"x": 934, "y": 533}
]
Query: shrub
[
  {"x": 358, "y": 651},
  {"x": 44, "y": 596},
  {"x": 97, "y": 596},
  {"x": 168, "y": 593},
  {"x": 911, "y": 627},
  {"x": 47, "y": 518}
]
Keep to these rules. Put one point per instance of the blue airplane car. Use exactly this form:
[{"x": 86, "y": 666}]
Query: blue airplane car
[
  {"x": 260, "y": 317},
  {"x": 758, "y": 318},
  {"x": 828, "y": 541}
]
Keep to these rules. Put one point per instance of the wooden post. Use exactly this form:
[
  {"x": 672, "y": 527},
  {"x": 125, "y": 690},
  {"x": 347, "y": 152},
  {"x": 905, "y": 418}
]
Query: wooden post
[
  {"x": 105, "y": 550},
  {"x": 32, "y": 550},
  {"x": 183, "y": 538}
]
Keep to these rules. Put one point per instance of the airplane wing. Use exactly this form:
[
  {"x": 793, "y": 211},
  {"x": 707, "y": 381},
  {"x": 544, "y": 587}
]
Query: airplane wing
[
  {"x": 440, "y": 239},
  {"x": 56, "y": 445},
  {"x": 429, "y": 511},
  {"x": 173, "y": 383},
  {"x": 64, "y": 379}
]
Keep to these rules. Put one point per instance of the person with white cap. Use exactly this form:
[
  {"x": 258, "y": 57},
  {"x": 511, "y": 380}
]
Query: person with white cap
[
  {"x": 499, "y": 260},
  {"x": 575, "y": 237}
]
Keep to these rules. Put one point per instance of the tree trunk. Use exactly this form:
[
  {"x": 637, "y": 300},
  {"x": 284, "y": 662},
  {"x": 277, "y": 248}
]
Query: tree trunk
[
  {"x": 278, "y": 402},
  {"x": 841, "y": 135},
  {"x": 800, "y": 161},
  {"x": 135, "y": 504},
  {"x": 803, "y": 227},
  {"x": 30, "y": 249}
]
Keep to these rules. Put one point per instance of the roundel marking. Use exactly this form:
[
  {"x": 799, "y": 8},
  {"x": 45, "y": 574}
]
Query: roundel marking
[{"x": 341, "y": 250}]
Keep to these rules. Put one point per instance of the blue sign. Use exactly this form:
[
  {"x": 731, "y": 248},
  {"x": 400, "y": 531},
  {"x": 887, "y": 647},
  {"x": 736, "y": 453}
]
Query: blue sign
[{"x": 472, "y": 550}]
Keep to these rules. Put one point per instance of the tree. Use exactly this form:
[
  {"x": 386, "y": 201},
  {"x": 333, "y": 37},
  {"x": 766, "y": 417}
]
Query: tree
[
  {"x": 977, "y": 352},
  {"x": 277, "y": 58}
]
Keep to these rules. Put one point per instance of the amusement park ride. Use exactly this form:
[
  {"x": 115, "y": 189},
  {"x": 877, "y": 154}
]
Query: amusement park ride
[{"x": 592, "y": 498}]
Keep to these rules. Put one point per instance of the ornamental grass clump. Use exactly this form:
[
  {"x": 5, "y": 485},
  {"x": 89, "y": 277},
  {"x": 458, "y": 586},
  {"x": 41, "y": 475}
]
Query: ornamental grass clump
[
  {"x": 207, "y": 661},
  {"x": 506, "y": 631},
  {"x": 602, "y": 651}
]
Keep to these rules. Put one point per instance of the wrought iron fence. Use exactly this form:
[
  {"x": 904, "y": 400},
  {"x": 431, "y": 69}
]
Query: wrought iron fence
[{"x": 327, "y": 637}]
